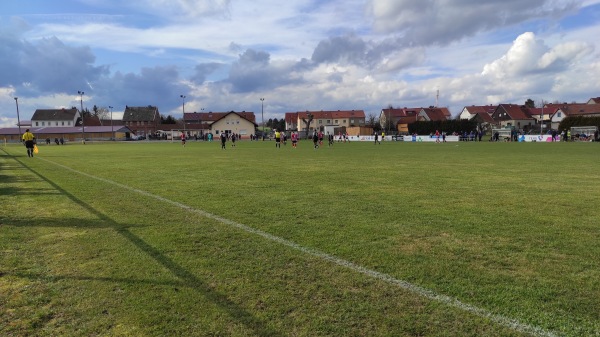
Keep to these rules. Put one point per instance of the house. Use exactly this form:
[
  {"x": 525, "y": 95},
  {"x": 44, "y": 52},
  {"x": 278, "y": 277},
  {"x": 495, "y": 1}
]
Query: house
[
  {"x": 398, "y": 116},
  {"x": 142, "y": 121},
  {"x": 321, "y": 119},
  {"x": 513, "y": 115},
  {"x": 434, "y": 114},
  {"x": 234, "y": 122},
  {"x": 55, "y": 118},
  {"x": 594, "y": 100},
  {"x": 469, "y": 112},
  {"x": 291, "y": 121},
  {"x": 202, "y": 121},
  {"x": 561, "y": 111}
]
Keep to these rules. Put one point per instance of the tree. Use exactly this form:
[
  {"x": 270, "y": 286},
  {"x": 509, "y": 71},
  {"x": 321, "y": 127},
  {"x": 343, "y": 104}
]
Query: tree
[
  {"x": 530, "y": 103},
  {"x": 371, "y": 120},
  {"x": 101, "y": 113},
  {"x": 281, "y": 124},
  {"x": 307, "y": 122},
  {"x": 167, "y": 120}
]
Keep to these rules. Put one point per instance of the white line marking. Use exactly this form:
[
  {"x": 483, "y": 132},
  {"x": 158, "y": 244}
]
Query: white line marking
[{"x": 429, "y": 294}]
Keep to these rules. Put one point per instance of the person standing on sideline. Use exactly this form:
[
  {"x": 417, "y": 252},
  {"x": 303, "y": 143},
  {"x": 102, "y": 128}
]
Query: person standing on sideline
[
  {"x": 183, "y": 139},
  {"x": 223, "y": 140},
  {"x": 294, "y": 139},
  {"x": 277, "y": 139},
  {"x": 29, "y": 140},
  {"x": 233, "y": 137},
  {"x": 376, "y": 138}
]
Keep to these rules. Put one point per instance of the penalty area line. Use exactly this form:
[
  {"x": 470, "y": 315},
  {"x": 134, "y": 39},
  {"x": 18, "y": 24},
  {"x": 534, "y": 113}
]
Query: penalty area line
[{"x": 413, "y": 288}]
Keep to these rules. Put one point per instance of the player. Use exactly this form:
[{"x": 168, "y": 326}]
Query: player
[
  {"x": 223, "y": 140},
  {"x": 294, "y": 139},
  {"x": 183, "y": 139}
]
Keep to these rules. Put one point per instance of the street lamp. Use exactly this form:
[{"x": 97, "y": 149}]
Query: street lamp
[
  {"x": 183, "y": 110},
  {"x": 112, "y": 131},
  {"x": 200, "y": 123},
  {"x": 82, "y": 118},
  {"x": 262, "y": 113},
  {"x": 18, "y": 118}
]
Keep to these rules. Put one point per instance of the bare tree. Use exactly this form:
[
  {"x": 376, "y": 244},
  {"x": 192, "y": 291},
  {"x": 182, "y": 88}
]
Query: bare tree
[{"x": 307, "y": 122}]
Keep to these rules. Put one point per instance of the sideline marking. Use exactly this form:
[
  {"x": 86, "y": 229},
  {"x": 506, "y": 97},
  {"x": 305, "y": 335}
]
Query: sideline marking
[{"x": 415, "y": 289}]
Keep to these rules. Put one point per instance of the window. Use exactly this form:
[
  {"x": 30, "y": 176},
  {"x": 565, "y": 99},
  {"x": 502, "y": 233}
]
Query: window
[
  {"x": 320, "y": 121},
  {"x": 69, "y": 123},
  {"x": 558, "y": 115},
  {"x": 37, "y": 123},
  {"x": 337, "y": 121},
  {"x": 344, "y": 121},
  {"x": 329, "y": 121},
  {"x": 352, "y": 121},
  {"x": 43, "y": 123},
  {"x": 63, "y": 123}
]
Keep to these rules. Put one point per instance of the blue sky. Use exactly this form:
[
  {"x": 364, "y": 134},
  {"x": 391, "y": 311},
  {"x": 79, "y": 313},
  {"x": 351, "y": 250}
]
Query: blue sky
[{"x": 299, "y": 55}]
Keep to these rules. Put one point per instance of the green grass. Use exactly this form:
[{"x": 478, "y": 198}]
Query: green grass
[{"x": 509, "y": 228}]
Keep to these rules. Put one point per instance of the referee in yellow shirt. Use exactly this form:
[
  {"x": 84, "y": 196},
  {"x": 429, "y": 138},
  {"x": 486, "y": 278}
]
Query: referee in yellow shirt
[{"x": 29, "y": 140}]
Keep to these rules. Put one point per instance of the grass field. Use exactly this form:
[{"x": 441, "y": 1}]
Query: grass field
[{"x": 401, "y": 239}]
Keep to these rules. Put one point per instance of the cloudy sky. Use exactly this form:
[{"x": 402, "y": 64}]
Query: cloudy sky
[{"x": 298, "y": 55}]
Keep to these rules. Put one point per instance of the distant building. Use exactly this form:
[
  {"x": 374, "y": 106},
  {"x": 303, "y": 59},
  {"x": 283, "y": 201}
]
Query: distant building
[
  {"x": 55, "y": 118},
  {"x": 143, "y": 121},
  {"x": 321, "y": 119},
  {"x": 513, "y": 115},
  {"x": 398, "y": 116},
  {"x": 469, "y": 112},
  {"x": 203, "y": 121}
]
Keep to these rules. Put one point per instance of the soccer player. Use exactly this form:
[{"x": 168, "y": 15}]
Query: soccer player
[
  {"x": 183, "y": 139},
  {"x": 223, "y": 140},
  {"x": 29, "y": 140},
  {"x": 294, "y": 139}
]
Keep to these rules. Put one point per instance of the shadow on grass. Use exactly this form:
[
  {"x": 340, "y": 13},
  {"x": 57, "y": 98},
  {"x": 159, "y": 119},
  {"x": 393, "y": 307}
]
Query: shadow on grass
[{"x": 187, "y": 278}]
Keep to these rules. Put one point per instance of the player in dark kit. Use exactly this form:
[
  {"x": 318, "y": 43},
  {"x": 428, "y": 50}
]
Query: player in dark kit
[{"x": 223, "y": 140}]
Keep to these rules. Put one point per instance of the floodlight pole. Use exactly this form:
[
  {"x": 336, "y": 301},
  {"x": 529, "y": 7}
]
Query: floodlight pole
[
  {"x": 262, "y": 113},
  {"x": 112, "y": 130},
  {"x": 183, "y": 110},
  {"x": 542, "y": 120},
  {"x": 18, "y": 118},
  {"x": 82, "y": 117}
]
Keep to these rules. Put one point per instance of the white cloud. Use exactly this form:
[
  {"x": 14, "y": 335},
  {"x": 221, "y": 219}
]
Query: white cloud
[{"x": 530, "y": 55}]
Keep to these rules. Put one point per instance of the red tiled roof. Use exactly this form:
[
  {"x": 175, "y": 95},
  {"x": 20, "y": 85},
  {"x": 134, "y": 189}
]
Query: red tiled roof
[
  {"x": 436, "y": 114},
  {"x": 332, "y": 114},
  {"x": 400, "y": 112},
  {"x": 514, "y": 111},
  {"x": 486, "y": 117},
  {"x": 215, "y": 116},
  {"x": 474, "y": 109}
]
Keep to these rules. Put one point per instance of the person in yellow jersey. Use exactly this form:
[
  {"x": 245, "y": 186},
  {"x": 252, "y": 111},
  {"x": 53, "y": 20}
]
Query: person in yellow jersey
[
  {"x": 278, "y": 139},
  {"x": 29, "y": 140}
]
